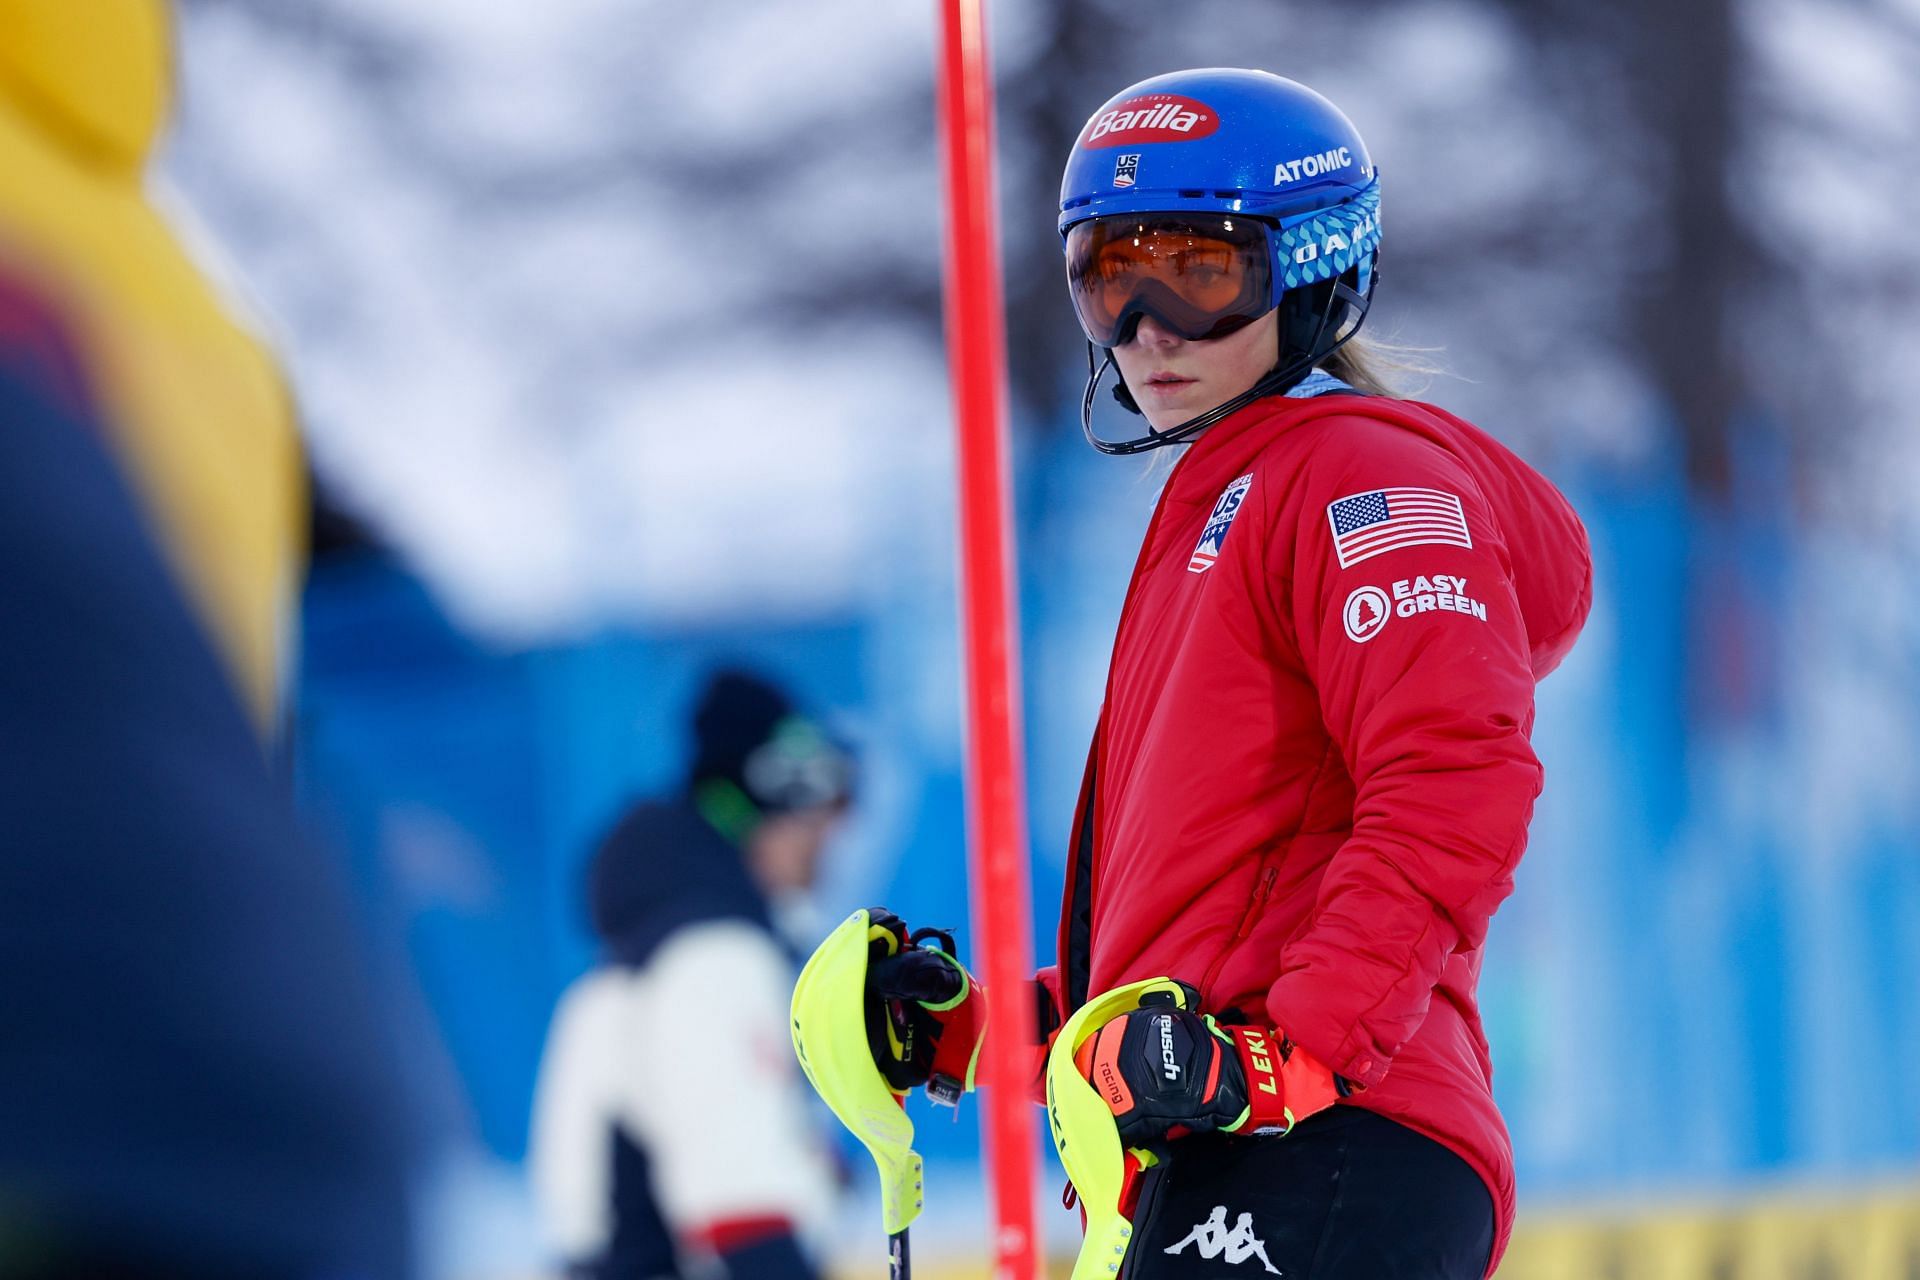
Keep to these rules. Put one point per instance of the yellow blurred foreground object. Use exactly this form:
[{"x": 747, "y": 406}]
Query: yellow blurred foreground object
[
  {"x": 94, "y": 72},
  {"x": 830, "y": 1037},
  {"x": 1085, "y": 1135},
  {"x": 200, "y": 417}
]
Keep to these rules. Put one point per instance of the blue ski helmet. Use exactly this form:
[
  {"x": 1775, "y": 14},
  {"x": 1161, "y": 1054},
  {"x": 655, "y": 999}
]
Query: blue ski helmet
[{"x": 1263, "y": 170}]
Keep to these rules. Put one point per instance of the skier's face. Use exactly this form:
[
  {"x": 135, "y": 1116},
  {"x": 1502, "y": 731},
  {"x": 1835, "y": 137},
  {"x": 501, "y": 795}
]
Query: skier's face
[
  {"x": 783, "y": 851},
  {"x": 1173, "y": 379}
]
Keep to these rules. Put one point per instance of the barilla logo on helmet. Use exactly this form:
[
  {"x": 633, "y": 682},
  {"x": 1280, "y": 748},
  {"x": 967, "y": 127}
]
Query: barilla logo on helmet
[{"x": 1151, "y": 117}]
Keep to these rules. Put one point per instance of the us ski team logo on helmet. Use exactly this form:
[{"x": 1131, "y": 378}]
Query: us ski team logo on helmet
[
  {"x": 1126, "y": 168},
  {"x": 1151, "y": 117},
  {"x": 1218, "y": 523}
]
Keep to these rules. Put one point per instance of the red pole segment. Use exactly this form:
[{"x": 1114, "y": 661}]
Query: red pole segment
[{"x": 997, "y": 820}]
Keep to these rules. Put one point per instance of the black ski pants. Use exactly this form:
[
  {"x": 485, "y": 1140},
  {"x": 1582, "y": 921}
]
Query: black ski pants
[{"x": 1348, "y": 1195}]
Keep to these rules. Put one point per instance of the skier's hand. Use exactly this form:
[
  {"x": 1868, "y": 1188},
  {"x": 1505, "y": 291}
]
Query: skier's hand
[
  {"x": 1166, "y": 1072},
  {"x": 926, "y": 1015}
]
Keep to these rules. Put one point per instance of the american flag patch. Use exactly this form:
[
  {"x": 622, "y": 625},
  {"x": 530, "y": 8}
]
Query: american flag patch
[{"x": 1370, "y": 524}]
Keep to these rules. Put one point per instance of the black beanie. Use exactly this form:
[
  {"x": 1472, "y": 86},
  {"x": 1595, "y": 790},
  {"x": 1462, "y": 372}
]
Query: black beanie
[{"x": 748, "y": 735}]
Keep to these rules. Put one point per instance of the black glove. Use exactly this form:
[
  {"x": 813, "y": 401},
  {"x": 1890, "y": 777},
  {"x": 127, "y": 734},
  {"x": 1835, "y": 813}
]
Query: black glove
[
  {"x": 926, "y": 1016},
  {"x": 1166, "y": 1072},
  {"x": 1160, "y": 1070}
]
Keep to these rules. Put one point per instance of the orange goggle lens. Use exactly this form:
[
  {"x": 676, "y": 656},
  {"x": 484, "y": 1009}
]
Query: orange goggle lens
[{"x": 1201, "y": 276}]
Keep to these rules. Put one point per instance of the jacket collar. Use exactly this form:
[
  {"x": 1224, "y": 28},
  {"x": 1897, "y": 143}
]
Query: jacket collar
[{"x": 1228, "y": 449}]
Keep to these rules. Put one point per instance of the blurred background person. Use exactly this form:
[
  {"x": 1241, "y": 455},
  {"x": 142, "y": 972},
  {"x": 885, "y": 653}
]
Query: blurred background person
[
  {"x": 194, "y": 1076},
  {"x": 652, "y": 1156}
]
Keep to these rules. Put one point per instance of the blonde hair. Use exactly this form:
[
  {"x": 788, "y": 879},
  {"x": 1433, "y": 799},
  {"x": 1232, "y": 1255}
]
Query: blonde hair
[{"x": 1383, "y": 368}]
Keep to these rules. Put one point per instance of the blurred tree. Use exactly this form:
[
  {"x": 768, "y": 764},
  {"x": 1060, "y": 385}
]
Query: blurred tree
[
  {"x": 1762, "y": 132},
  {"x": 1679, "y": 68},
  {"x": 601, "y": 261},
  {"x": 1621, "y": 227},
  {"x": 1048, "y": 80}
]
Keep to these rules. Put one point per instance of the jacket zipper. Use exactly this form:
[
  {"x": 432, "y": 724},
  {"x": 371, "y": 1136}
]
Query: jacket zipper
[
  {"x": 1074, "y": 889},
  {"x": 1080, "y": 871},
  {"x": 1247, "y": 921}
]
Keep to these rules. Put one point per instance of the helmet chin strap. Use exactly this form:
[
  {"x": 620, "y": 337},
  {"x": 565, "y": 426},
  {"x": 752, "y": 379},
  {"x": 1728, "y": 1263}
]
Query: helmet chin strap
[{"x": 1275, "y": 381}]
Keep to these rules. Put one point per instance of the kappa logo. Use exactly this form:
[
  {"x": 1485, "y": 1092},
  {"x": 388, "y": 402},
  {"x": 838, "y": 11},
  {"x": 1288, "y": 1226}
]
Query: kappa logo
[
  {"x": 1126, "y": 168},
  {"x": 1214, "y": 1240},
  {"x": 1218, "y": 523}
]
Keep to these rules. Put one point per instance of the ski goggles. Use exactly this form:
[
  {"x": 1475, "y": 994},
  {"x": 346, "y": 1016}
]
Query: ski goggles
[{"x": 1201, "y": 275}]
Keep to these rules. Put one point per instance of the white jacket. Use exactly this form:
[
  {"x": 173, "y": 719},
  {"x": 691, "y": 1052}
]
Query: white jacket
[{"x": 692, "y": 1059}]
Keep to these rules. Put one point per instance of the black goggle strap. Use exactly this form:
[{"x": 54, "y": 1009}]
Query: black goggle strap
[
  {"x": 1154, "y": 438},
  {"x": 1096, "y": 370}
]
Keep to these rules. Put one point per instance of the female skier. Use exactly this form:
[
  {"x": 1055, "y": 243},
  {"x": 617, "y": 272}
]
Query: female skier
[{"x": 1311, "y": 779}]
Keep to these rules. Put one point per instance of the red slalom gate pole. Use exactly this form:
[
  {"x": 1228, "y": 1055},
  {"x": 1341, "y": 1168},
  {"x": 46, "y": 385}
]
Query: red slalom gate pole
[{"x": 996, "y": 804}]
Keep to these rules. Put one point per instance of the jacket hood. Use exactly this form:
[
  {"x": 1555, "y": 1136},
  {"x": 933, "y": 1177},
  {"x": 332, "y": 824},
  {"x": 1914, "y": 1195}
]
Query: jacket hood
[
  {"x": 1552, "y": 559},
  {"x": 662, "y": 867}
]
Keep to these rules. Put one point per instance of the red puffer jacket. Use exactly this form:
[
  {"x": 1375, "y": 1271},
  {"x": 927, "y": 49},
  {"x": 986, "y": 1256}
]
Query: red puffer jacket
[{"x": 1311, "y": 780}]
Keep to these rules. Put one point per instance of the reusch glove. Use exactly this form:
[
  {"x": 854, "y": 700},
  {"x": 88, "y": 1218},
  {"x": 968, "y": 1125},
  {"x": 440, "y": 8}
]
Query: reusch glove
[
  {"x": 926, "y": 1015},
  {"x": 1166, "y": 1072}
]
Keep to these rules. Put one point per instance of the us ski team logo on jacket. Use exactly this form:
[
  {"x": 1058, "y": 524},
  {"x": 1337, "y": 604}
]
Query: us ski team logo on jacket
[{"x": 1218, "y": 523}]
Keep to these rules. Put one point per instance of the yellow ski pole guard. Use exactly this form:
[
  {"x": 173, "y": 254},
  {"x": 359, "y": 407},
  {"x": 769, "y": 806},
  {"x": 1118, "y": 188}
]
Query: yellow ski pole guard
[
  {"x": 1085, "y": 1135},
  {"x": 830, "y": 1038}
]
